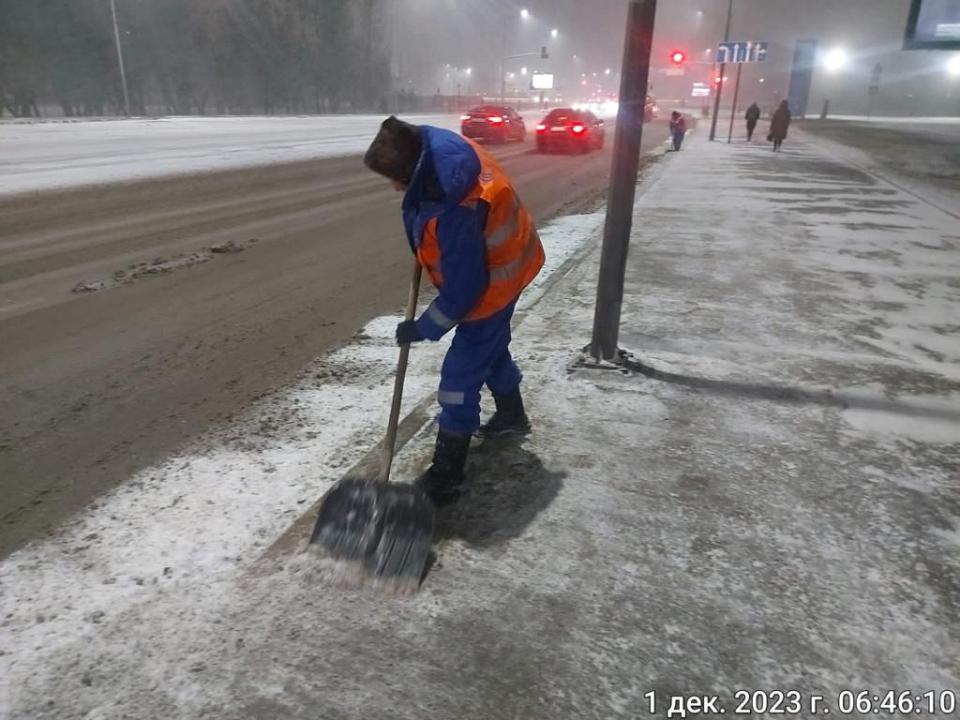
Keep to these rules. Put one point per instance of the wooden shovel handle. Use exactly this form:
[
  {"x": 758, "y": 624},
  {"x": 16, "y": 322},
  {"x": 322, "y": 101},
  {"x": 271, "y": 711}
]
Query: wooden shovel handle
[{"x": 391, "y": 439}]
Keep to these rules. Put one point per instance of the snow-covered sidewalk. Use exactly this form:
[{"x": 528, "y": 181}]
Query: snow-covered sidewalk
[{"x": 775, "y": 509}]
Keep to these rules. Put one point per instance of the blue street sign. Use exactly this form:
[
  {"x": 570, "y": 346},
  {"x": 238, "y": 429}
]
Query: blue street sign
[{"x": 741, "y": 52}]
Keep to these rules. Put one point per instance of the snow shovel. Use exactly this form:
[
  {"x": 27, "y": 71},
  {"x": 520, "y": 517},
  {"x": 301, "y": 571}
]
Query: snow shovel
[{"x": 378, "y": 529}]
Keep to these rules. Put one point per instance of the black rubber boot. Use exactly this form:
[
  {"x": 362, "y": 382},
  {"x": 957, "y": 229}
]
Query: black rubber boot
[
  {"x": 509, "y": 419},
  {"x": 443, "y": 481}
]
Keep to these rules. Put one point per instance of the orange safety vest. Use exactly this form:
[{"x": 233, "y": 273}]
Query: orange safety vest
[{"x": 514, "y": 251}]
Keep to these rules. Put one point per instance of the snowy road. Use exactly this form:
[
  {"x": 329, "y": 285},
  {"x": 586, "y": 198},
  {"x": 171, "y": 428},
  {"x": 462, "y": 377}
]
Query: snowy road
[
  {"x": 173, "y": 338},
  {"x": 41, "y": 156}
]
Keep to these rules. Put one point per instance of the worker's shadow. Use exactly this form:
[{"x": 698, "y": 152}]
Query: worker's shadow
[{"x": 508, "y": 488}]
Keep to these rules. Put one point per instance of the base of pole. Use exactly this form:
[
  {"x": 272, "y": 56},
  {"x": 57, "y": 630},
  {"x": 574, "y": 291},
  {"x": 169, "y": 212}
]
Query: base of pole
[{"x": 620, "y": 362}]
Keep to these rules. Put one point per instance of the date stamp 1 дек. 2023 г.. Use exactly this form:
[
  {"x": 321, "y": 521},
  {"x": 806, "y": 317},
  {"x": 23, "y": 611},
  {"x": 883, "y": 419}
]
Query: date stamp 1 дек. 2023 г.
[{"x": 879, "y": 703}]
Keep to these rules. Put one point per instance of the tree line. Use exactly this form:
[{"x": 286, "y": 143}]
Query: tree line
[{"x": 193, "y": 56}]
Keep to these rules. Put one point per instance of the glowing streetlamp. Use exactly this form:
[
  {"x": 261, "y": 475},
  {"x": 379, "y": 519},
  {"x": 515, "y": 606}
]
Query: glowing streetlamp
[
  {"x": 525, "y": 14},
  {"x": 835, "y": 60},
  {"x": 953, "y": 66},
  {"x": 554, "y": 33}
]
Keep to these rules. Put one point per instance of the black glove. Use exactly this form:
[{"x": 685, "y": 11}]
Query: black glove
[{"x": 407, "y": 333}]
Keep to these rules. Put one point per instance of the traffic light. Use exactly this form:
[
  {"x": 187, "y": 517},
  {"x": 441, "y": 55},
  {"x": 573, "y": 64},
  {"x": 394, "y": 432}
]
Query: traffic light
[
  {"x": 543, "y": 53},
  {"x": 677, "y": 57}
]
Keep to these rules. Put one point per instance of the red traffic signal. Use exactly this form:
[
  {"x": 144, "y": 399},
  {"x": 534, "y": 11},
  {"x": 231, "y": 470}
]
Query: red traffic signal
[{"x": 678, "y": 56}]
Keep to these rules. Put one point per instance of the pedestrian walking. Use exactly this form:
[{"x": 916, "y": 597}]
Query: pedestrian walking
[
  {"x": 753, "y": 115},
  {"x": 778, "y": 125},
  {"x": 678, "y": 128},
  {"x": 477, "y": 242}
]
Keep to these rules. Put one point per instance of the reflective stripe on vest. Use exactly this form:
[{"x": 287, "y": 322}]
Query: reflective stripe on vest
[
  {"x": 514, "y": 251},
  {"x": 499, "y": 236},
  {"x": 508, "y": 272}
]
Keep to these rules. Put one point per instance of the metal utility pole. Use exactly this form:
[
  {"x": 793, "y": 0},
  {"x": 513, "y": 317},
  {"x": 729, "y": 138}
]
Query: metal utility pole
[
  {"x": 503, "y": 82},
  {"x": 736, "y": 95},
  {"x": 368, "y": 57},
  {"x": 634, "y": 80},
  {"x": 503, "y": 55},
  {"x": 123, "y": 72},
  {"x": 723, "y": 69},
  {"x": 874, "y": 89}
]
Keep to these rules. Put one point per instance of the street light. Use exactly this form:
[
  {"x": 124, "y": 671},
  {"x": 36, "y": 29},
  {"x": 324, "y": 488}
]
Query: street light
[
  {"x": 525, "y": 14},
  {"x": 554, "y": 33},
  {"x": 123, "y": 72},
  {"x": 523, "y": 71},
  {"x": 953, "y": 66},
  {"x": 607, "y": 71},
  {"x": 835, "y": 60}
]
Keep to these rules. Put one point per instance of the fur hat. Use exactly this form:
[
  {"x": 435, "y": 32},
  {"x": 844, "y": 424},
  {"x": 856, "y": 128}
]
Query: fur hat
[{"x": 395, "y": 150}]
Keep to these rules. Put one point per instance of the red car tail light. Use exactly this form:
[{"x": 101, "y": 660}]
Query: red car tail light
[
  {"x": 494, "y": 119},
  {"x": 578, "y": 128},
  {"x": 541, "y": 127}
]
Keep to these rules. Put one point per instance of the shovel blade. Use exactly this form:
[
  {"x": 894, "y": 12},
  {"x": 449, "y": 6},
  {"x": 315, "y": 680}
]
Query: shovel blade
[{"x": 386, "y": 529}]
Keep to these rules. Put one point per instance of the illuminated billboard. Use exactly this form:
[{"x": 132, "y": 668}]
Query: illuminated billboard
[
  {"x": 933, "y": 25},
  {"x": 542, "y": 81}
]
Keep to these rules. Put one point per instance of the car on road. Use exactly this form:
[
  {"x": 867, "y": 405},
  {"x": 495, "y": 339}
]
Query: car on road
[
  {"x": 569, "y": 130},
  {"x": 493, "y": 124}
]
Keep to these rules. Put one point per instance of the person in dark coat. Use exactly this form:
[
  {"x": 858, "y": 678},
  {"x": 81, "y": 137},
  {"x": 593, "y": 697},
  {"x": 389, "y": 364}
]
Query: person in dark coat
[
  {"x": 678, "y": 129},
  {"x": 753, "y": 115},
  {"x": 778, "y": 125}
]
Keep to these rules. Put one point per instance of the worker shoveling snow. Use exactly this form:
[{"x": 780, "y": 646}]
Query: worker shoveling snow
[{"x": 470, "y": 232}]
